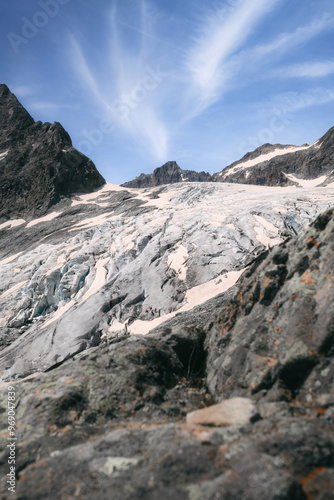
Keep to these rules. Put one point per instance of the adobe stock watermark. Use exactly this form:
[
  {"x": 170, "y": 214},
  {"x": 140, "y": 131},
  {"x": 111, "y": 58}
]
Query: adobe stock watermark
[
  {"x": 11, "y": 446},
  {"x": 31, "y": 27},
  {"x": 121, "y": 109},
  {"x": 281, "y": 117}
]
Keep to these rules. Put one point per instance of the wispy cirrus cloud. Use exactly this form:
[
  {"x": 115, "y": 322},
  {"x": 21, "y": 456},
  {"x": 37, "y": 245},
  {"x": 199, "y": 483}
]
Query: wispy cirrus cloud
[
  {"x": 221, "y": 36},
  {"x": 84, "y": 72},
  {"x": 251, "y": 64},
  {"x": 151, "y": 93},
  {"x": 128, "y": 93},
  {"x": 296, "y": 101},
  {"x": 289, "y": 103},
  {"x": 289, "y": 40},
  {"x": 317, "y": 69}
]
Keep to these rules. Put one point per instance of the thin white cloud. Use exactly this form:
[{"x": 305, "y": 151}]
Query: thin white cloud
[
  {"x": 49, "y": 106},
  {"x": 252, "y": 63},
  {"x": 149, "y": 112},
  {"x": 305, "y": 70},
  {"x": 294, "y": 101},
  {"x": 218, "y": 41},
  {"x": 127, "y": 94},
  {"x": 286, "y": 41},
  {"x": 83, "y": 71},
  {"x": 22, "y": 90},
  {"x": 286, "y": 104}
]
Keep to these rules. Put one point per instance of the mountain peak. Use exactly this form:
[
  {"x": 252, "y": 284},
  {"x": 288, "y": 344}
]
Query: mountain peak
[
  {"x": 13, "y": 117},
  {"x": 169, "y": 173},
  {"x": 38, "y": 162}
]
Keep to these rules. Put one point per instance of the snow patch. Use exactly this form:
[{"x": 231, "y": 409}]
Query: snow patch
[
  {"x": 13, "y": 289},
  {"x": 304, "y": 183},
  {"x": 60, "y": 311},
  {"x": 12, "y": 223},
  {"x": 91, "y": 198},
  {"x": 195, "y": 297},
  {"x": 93, "y": 221},
  {"x": 46, "y": 218},
  {"x": 158, "y": 221},
  {"x": 9, "y": 259},
  {"x": 266, "y": 224},
  {"x": 177, "y": 261},
  {"x": 99, "y": 280},
  {"x": 164, "y": 200},
  {"x": 266, "y": 240},
  {"x": 3, "y": 155}
]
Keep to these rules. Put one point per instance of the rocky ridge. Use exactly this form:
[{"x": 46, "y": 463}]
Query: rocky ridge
[{"x": 38, "y": 163}]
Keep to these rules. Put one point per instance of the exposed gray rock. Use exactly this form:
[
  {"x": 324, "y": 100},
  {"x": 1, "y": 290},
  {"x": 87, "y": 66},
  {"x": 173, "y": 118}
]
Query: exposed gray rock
[
  {"x": 267, "y": 165},
  {"x": 276, "y": 336}
]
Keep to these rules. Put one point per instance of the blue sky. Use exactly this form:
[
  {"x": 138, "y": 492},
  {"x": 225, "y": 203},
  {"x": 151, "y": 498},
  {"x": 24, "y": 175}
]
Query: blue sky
[{"x": 139, "y": 82}]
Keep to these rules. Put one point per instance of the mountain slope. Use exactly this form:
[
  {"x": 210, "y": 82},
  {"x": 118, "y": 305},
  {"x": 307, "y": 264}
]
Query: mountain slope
[{"x": 38, "y": 164}]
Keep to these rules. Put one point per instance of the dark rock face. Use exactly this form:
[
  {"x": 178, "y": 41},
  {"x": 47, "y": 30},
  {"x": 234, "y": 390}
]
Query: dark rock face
[
  {"x": 305, "y": 162},
  {"x": 111, "y": 421},
  {"x": 38, "y": 164},
  {"x": 169, "y": 173}
]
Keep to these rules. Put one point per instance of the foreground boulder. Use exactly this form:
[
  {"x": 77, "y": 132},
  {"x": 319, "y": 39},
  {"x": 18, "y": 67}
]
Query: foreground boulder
[{"x": 235, "y": 411}]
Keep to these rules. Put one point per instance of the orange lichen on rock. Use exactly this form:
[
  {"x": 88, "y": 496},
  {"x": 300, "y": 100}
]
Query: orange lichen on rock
[
  {"x": 312, "y": 475},
  {"x": 306, "y": 279},
  {"x": 70, "y": 381}
]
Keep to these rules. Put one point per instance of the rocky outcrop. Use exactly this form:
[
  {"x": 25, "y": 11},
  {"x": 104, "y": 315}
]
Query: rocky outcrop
[
  {"x": 169, "y": 173},
  {"x": 277, "y": 165},
  {"x": 38, "y": 163},
  {"x": 233, "y": 400},
  {"x": 283, "y": 312}
]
